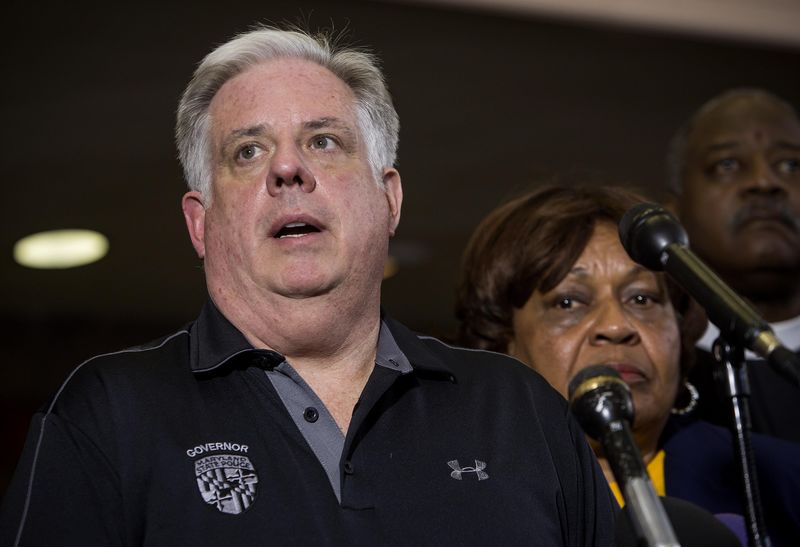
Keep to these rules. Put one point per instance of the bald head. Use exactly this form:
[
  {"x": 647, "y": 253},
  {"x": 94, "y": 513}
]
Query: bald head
[{"x": 726, "y": 109}]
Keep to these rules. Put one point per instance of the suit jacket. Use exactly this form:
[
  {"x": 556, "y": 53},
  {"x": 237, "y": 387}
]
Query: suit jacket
[{"x": 700, "y": 466}]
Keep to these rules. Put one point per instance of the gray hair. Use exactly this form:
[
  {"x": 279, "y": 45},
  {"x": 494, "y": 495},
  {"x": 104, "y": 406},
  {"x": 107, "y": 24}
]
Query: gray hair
[
  {"x": 679, "y": 144},
  {"x": 375, "y": 113}
]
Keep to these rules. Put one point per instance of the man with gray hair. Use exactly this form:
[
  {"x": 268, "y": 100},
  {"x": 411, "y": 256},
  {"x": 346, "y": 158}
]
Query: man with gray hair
[
  {"x": 293, "y": 411},
  {"x": 734, "y": 172}
]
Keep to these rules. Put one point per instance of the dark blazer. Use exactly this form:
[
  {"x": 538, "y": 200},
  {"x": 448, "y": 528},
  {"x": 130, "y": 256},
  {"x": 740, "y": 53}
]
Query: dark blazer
[{"x": 700, "y": 467}]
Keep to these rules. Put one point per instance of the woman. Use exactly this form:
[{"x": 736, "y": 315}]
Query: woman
[{"x": 545, "y": 279}]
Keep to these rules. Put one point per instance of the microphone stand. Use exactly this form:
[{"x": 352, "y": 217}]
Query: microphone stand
[
  {"x": 648, "y": 517},
  {"x": 730, "y": 376},
  {"x": 603, "y": 406}
]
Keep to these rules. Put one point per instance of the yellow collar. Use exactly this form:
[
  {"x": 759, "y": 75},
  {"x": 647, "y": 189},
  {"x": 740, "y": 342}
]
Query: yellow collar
[{"x": 656, "y": 471}]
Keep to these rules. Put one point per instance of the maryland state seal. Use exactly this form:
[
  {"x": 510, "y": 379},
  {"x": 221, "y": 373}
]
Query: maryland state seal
[{"x": 227, "y": 481}]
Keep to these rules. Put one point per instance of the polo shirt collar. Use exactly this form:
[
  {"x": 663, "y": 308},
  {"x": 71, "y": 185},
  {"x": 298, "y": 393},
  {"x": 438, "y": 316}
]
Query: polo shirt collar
[
  {"x": 389, "y": 354},
  {"x": 215, "y": 341},
  {"x": 417, "y": 352}
]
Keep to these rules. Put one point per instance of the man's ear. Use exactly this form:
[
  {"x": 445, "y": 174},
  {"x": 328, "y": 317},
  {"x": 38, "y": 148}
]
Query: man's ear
[
  {"x": 194, "y": 212},
  {"x": 394, "y": 195}
]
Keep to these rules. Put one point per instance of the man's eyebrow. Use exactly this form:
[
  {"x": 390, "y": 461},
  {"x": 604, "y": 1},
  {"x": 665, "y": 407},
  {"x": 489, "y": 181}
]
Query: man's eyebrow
[
  {"x": 250, "y": 131},
  {"x": 312, "y": 125},
  {"x": 324, "y": 123},
  {"x": 788, "y": 145},
  {"x": 725, "y": 145}
]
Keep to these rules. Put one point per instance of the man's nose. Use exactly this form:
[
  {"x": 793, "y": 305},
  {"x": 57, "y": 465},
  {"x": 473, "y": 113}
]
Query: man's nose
[
  {"x": 287, "y": 168},
  {"x": 613, "y": 326},
  {"x": 763, "y": 179}
]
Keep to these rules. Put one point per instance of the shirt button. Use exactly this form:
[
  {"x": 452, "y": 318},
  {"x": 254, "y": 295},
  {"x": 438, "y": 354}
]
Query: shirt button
[
  {"x": 348, "y": 467},
  {"x": 311, "y": 414}
]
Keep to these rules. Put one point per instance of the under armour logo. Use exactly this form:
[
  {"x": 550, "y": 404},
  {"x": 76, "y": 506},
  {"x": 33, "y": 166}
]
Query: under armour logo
[{"x": 457, "y": 470}]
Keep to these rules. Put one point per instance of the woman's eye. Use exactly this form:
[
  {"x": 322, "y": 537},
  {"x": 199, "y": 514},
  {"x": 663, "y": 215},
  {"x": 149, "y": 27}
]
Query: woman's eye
[
  {"x": 565, "y": 303},
  {"x": 644, "y": 300},
  {"x": 568, "y": 302}
]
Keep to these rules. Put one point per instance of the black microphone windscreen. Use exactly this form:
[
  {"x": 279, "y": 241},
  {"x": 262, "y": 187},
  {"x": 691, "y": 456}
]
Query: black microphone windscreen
[
  {"x": 646, "y": 230},
  {"x": 597, "y": 398},
  {"x": 592, "y": 371}
]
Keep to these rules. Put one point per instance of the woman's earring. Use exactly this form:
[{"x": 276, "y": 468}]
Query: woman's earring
[{"x": 694, "y": 396}]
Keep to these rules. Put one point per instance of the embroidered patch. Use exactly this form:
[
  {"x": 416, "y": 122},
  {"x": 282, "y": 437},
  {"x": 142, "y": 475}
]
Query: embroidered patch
[
  {"x": 227, "y": 481},
  {"x": 458, "y": 471}
]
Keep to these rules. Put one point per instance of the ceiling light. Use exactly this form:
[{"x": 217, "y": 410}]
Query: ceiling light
[{"x": 58, "y": 249}]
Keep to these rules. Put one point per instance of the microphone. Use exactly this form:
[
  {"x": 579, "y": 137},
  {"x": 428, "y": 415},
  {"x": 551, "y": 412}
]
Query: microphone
[
  {"x": 654, "y": 238},
  {"x": 602, "y": 404}
]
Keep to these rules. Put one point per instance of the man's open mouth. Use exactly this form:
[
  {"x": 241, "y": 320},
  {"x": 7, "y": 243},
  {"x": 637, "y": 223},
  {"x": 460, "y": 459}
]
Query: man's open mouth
[{"x": 296, "y": 229}]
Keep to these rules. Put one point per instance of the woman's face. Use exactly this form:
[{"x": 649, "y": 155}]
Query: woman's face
[{"x": 607, "y": 310}]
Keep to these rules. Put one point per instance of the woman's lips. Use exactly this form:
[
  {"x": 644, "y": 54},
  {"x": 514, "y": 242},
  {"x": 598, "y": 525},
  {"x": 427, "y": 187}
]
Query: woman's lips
[{"x": 629, "y": 373}]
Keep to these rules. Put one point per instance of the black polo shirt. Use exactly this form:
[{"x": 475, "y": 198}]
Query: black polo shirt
[{"x": 185, "y": 441}]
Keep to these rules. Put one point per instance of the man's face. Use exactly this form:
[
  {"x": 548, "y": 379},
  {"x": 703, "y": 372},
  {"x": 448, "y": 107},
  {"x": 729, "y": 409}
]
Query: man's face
[
  {"x": 741, "y": 190},
  {"x": 296, "y": 210}
]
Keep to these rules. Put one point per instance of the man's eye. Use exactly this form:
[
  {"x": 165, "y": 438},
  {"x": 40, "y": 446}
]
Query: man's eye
[
  {"x": 727, "y": 165},
  {"x": 323, "y": 142},
  {"x": 789, "y": 166},
  {"x": 247, "y": 152}
]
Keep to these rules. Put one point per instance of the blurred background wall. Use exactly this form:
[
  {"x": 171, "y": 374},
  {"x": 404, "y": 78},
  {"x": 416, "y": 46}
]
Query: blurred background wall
[{"x": 494, "y": 97}]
